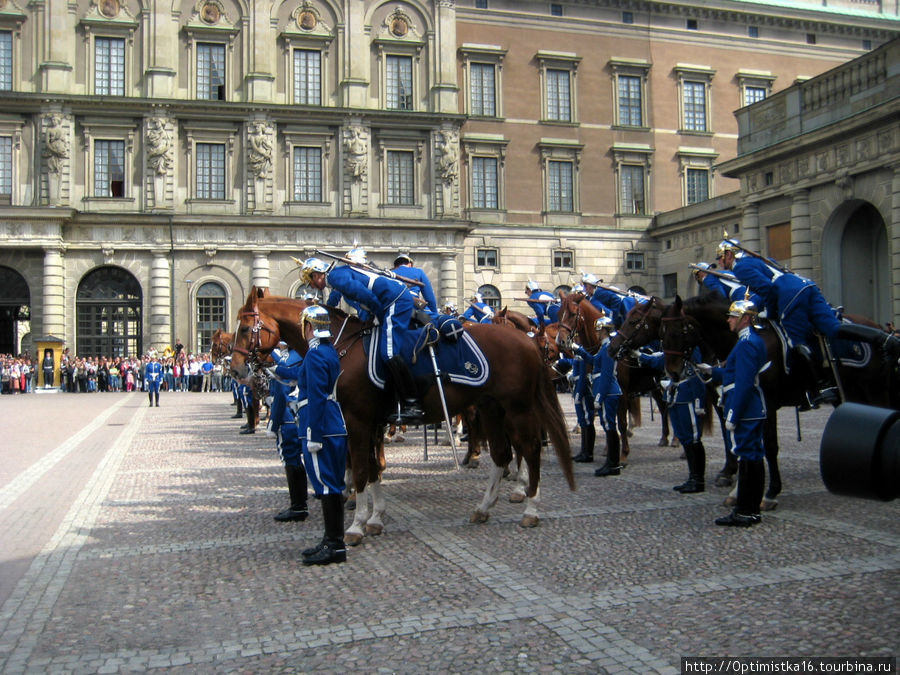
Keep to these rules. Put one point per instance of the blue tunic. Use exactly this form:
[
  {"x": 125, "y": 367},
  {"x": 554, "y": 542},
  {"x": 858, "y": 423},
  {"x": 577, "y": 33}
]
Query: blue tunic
[
  {"x": 153, "y": 373},
  {"x": 605, "y": 387},
  {"x": 685, "y": 399},
  {"x": 281, "y": 418},
  {"x": 546, "y": 311},
  {"x": 425, "y": 291},
  {"x": 479, "y": 312}
]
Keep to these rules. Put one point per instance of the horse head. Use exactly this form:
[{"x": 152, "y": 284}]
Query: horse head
[
  {"x": 640, "y": 328},
  {"x": 680, "y": 335},
  {"x": 255, "y": 337}
]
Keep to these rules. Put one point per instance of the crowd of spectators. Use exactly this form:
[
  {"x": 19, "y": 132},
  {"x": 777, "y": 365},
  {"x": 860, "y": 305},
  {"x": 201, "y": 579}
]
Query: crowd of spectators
[{"x": 21, "y": 374}]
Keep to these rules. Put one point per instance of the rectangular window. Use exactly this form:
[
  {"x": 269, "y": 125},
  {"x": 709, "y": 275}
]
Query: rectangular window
[
  {"x": 563, "y": 259},
  {"x": 558, "y": 99},
  {"x": 400, "y": 183},
  {"x": 630, "y": 101},
  {"x": 556, "y": 9},
  {"x": 627, "y": 17},
  {"x": 695, "y": 106},
  {"x": 632, "y": 188},
  {"x": 484, "y": 183},
  {"x": 634, "y": 261},
  {"x": 810, "y": 38},
  {"x": 483, "y": 96},
  {"x": 109, "y": 66},
  {"x": 210, "y": 72},
  {"x": 481, "y": 4},
  {"x": 307, "y": 77},
  {"x": 692, "y": 24},
  {"x": 6, "y": 64},
  {"x": 753, "y": 31},
  {"x": 486, "y": 257},
  {"x": 670, "y": 285},
  {"x": 210, "y": 171},
  {"x": 399, "y": 83},
  {"x": 754, "y": 94},
  {"x": 560, "y": 189},
  {"x": 697, "y": 185},
  {"x": 307, "y": 174},
  {"x": 109, "y": 168},
  {"x": 6, "y": 169}
]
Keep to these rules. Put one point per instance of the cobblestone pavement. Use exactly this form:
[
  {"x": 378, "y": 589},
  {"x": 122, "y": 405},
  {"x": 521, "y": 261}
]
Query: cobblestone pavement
[{"x": 139, "y": 538}]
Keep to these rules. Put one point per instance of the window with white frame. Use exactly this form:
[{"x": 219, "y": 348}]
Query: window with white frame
[
  {"x": 399, "y": 82},
  {"x": 632, "y": 189},
  {"x": 634, "y": 261},
  {"x": 210, "y": 71},
  {"x": 485, "y": 155},
  {"x": 109, "y": 66},
  {"x": 482, "y": 72},
  {"x": 563, "y": 259},
  {"x": 755, "y": 85},
  {"x": 211, "y": 300},
  {"x": 307, "y": 174},
  {"x": 6, "y": 169},
  {"x": 629, "y": 89},
  {"x": 210, "y": 170},
  {"x": 697, "y": 185},
  {"x": 558, "y": 74},
  {"x": 6, "y": 60},
  {"x": 487, "y": 258},
  {"x": 400, "y": 174},
  {"x": 695, "y": 84},
  {"x": 696, "y": 167},
  {"x": 307, "y": 76},
  {"x": 485, "y": 182},
  {"x": 560, "y": 161},
  {"x": 109, "y": 168}
]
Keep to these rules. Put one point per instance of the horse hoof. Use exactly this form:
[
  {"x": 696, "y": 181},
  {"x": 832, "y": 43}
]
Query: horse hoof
[
  {"x": 374, "y": 530},
  {"x": 663, "y": 442},
  {"x": 473, "y": 464},
  {"x": 399, "y": 438},
  {"x": 529, "y": 521},
  {"x": 352, "y": 539},
  {"x": 730, "y": 501},
  {"x": 768, "y": 504},
  {"x": 479, "y": 517},
  {"x": 724, "y": 481},
  {"x": 516, "y": 498}
]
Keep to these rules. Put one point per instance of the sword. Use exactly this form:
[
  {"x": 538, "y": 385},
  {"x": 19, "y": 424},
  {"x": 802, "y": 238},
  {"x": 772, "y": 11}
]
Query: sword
[
  {"x": 440, "y": 386},
  {"x": 721, "y": 275},
  {"x": 372, "y": 268}
]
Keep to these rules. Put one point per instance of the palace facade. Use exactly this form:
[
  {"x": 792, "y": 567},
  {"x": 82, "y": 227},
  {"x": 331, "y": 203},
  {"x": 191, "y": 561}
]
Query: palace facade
[{"x": 159, "y": 159}]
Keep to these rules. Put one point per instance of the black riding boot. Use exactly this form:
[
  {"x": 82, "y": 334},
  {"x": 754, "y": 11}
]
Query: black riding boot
[
  {"x": 696, "y": 481},
  {"x": 818, "y": 386},
  {"x": 150, "y": 395},
  {"x": 889, "y": 344},
  {"x": 689, "y": 456},
  {"x": 751, "y": 484},
  {"x": 156, "y": 394},
  {"x": 332, "y": 549},
  {"x": 588, "y": 437},
  {"x": 296, "y": 480},
  {"x": 612, "y": 467},
  {"x": 405, "y": 386}
]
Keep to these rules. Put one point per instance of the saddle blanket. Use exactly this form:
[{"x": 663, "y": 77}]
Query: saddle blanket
[
  {"x": 849, "y": 353},
  {"x": 462, "y": 362}
]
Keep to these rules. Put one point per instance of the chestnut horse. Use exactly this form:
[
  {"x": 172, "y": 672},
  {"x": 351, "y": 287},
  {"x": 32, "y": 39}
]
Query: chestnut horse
[
  {"x": 576, "y": 319},
  {"x": 516, "y": 403}
]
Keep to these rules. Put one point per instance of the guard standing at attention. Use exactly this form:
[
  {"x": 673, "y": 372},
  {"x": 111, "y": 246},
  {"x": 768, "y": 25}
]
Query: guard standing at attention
[{"x": 153, "y": 374}]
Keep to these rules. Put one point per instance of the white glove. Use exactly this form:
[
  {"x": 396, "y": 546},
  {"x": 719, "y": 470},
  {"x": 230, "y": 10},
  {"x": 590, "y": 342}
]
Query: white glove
[
  {"x": 375, "y": 320},
  {"x": 313, "y": 446},
  {"x": 271, "y": 371},
  {"x": 729, "y": 426},
  {"x": 704, "y": 369},
  {"x": 575, "y": 346}
]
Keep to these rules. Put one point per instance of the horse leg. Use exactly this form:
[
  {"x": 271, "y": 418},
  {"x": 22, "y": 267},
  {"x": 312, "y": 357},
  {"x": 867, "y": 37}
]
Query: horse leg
[
  {"x": 501, "y": 456},
  {"x": 375, "y": 524},
  {"x": 770, "y": 441},
  {"x": 622, "y": 422},
  {"x": 349, "y": 492},
  {"x": 482, "y": 514},
  {"x": 355, "y": 533},
  {"x": 663, "y": 413},
  {"x": 518, "y": 494}
]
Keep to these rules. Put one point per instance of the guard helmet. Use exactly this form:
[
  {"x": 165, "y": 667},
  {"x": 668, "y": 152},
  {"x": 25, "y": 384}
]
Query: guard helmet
[
  {"x": 402, "y": 259},
  {"x": 449, "y": 308},
  {"x": 317, "y": 317},
  {"x": 727, "y": 245},
  {"x": 605, "y": 322},
  {"x": 588, "y": 278},
  {"x": 578, "y": 288},
  {"x": 477, "y": 297},
  {"x": 532, "y": 285},
  {"x": 311, "y": 265},
  {"x": 742, "y": 307},
  {"x": 700, "y": 267},
  {"x": 357, "y": 255}
]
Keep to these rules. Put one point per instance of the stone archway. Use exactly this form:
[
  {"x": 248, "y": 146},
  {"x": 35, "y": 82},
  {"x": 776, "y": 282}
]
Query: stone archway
[
  {"x": 15, "y": 310},
  {"x": 855, "y": 261},
  {"x": 108, "y": 310}
]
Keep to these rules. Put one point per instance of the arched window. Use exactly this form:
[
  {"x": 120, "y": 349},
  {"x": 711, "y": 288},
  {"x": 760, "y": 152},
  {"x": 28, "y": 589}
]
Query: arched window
[
  {"x": 491, "y": 296},
  {"x": 108, "y": 310},
  {"x": 210, "y": 314},
  {"x": 15, "y": 309},
  {"x": 561, "y": 291}
]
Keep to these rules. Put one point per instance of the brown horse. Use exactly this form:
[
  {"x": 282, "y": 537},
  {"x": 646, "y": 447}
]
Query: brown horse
[
  {"x": 701, "y": 323},
  {"x": 576, "y": 319},
  {"x": 544, "y": 337},
  {"x": 221, "y": 344},
  {"x": 517, "y": 401}
]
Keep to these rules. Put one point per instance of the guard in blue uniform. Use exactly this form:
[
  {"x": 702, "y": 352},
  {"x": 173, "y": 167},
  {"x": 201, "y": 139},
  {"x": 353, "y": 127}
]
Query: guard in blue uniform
[
  {"x": 580, "y": 383},
  {"x": 686, "y": 403},
  {"x": 479, "y": 311},
  {"x": 153, "y": 374},
  {"x": 323, "y": 433},
  {"x": 283, "y": 424},
  {"x": 726, "y": 284},
  {"x": 589, "y": 285},
  {"x": 423, "y": 295},
  {"x": 607, "y": 394},
  {"x": 798, "y": 305},
  {"x": 542, "y": 303},
  {"x": 391, "y": 303},
  {"x": 744, "y": 407}
]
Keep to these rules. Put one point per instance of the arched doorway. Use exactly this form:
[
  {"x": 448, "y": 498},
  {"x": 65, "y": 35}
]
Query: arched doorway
[
  {"x": 15, "y": 310},
  {"x": 108, "y": 310},
  {"x": 855, "y": 266}
]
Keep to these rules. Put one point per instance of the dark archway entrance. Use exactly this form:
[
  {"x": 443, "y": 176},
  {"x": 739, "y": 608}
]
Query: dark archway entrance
[
  {"x": 109, "y": 314},
  {"x": 15, "y": 309}
]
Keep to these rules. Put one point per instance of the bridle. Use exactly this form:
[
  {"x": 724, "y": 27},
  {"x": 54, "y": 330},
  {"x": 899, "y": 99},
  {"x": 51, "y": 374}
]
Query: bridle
[
  {"x": 255, "y": 346},
  {"x": 639, "y": 322},
  {"x": 571, "y": 330},
  {"x": 690, "y": 337}
]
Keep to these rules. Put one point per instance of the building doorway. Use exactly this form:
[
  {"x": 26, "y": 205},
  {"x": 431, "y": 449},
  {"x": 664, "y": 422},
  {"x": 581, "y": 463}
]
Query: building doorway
[
  {"x": 108, "y": 308},
  {"x": 15, "y": 310}
]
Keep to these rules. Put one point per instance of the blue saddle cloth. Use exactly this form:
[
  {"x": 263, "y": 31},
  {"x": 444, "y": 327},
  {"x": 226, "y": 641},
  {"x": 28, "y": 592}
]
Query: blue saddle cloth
[
  {"x": 850, "y": 352},
  {"x": 460, "y": 361}
]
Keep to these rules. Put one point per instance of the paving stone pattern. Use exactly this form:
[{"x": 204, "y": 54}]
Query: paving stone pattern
[{"x": 140, "y": 539}]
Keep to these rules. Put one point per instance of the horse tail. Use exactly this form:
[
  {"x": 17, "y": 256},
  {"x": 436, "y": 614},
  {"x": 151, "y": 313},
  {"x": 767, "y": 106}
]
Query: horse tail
[
  {"x": 554, "y": 423},
  {"x": 707, "y": 425}
]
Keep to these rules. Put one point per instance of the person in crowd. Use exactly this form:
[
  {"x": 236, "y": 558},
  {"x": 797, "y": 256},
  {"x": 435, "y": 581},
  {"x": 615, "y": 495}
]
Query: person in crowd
[{"x": 206, "y": 370}]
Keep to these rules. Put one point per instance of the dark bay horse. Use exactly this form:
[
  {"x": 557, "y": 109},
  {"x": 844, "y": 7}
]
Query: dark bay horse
[
  {"x": 544, "y": 336},
  {"x": 516, "y": 403},
  {"x": 576, "y": 320},
  {"x": 692, "y": 323}
]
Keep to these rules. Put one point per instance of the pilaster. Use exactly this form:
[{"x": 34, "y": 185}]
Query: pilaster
[
  {"x": 54, "y": 314},
  {"x": 259, "y": 273},
  {"x": 160, "y": 301},
  {"x": 801, "y": 235}
]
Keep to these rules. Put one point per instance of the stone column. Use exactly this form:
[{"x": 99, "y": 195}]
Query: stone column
[
  {"x": 160, "y": 301},
  {"x": 448, "y": 283},
  {"x": 894, "y": 245},
  {"x": 801, "y": 235},
  {"x": 750, "y": 227},
  {"x": 259, "y": 273},
  {"x": 54, "y": 293}
]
